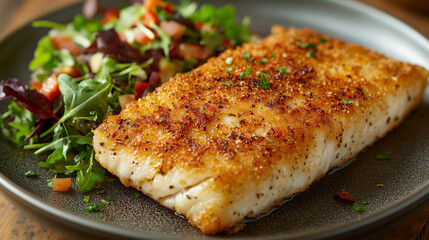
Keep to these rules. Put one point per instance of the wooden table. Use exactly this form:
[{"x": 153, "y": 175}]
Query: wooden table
[{"x": 16, "y": 225}]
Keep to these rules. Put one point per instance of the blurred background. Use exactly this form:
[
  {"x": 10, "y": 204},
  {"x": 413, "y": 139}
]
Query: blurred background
[{"x": 16, "y": 13}]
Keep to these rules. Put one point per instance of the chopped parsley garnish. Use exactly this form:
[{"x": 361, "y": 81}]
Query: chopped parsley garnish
[
  {"x": 246, "y": 56},
  {"x": 104, "y": 201},
  {"x": 229, "y": 69},
  {"x": 229, "y": 60},
  {"x": 322, "y": 40},
  {"x": 273, "y": 55},
  {"x": 93, "y": 207},
  {"x": 305, "y": 45},
  {"x": 245, "y": 74},
  {"x": 112, "y": 199},
  {"x": 345, "y": 101},
  {"x": 100, "y": 191},
  {"x": 358, "y": 208},
  {"x": 364, "y": 202},
  {"x": 311, "y": 54},
  {"x": 265, "y": 84},
  {"x": 85, "y": 198},
  {"x": 30, "y": 173},
  {"x": 227, "y": 84},
  {"x": 137, "y": 194},
  {"x": 282, "y": 70},
  {"x": 385, "y": 155},
  {"x": 263, "y": 61},
  {"x": 49, "y": 182}
]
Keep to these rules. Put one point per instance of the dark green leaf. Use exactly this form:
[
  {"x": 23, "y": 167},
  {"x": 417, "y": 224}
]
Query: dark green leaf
[
  {"x": 93, "y": 207},
  {"x": 137, "y": 194},
  {"x": 247, "y": 73},
  {"x": 282, "y": 70},
  {"x": 305, "y": 45},
  {"x": 246, "y": 56},
  {"x": 358, "y": 208},
  {"x": 263, "y": 61},
  {"x": 265, "y": 84},
  {"x": 30, "y": 173}
]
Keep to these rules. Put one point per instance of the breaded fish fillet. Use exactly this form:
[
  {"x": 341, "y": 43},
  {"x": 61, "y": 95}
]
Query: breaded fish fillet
[{"x": 220, "y": 143}]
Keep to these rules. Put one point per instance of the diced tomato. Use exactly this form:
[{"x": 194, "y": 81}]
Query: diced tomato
[
  {"x": 71, "y": 71},
  {"x": 50, "y": 87},
  {"x": 36, "y": 84},
  {"x": 140, "y": 87},
  {"x": 61, "y": 184},
  {"x": 141, "y": 38},
  {"x": 173, "y": 29},
  {"x": 169, "y": 8},
  {"x": 187, "y": 50},
  {"x": 152, "y": 4},
  {"x": 63, "y": 42},
  {"x": 110, "y": 15},
  {"x": 150, "y": 17},
  {"x": 199, "y": 25}
]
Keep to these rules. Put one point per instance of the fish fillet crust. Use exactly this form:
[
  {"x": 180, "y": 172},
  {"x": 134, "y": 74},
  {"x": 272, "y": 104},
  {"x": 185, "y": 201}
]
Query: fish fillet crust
[{"x": 216, "y": 147}]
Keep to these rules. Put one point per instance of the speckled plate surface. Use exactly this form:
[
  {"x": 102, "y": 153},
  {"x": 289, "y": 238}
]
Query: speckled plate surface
[{"x": 314, "y": 214}]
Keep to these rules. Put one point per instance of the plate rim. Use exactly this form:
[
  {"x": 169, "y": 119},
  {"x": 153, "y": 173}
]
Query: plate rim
[{"x": 418, "y": 200}]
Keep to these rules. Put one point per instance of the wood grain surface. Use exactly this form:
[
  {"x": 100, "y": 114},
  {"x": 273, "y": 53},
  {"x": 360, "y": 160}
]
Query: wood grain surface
[{"x": 15, "y": 13}]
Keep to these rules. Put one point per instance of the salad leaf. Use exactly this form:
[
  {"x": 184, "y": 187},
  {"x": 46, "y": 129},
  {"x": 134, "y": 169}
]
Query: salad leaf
[
  {"x": 127, "y": 16},
  {"x": 20, "y": 127},
  {"x": 109, "y": 43},
  {"x": 88, "y": 98},
  {"x": 32, "y": 100}
]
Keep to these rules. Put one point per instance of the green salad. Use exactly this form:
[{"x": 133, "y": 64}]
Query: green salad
[{"x": 92, "y": 67}]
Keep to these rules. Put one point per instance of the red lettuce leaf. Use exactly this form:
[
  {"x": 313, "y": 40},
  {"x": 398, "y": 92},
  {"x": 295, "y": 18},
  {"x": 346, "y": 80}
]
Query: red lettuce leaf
[
  {"x": 32, "y": 100},
  {"x": 109, "y": 43}
]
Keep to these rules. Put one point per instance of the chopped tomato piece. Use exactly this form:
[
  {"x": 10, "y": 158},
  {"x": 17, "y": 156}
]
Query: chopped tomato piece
[
  {"x": 141, "y": 38},
  {"x": 71, "y": 71},
  {"x": 61, "y": 184},
  {"x": 110, "y": 15},
  {"x": 173, "y": 29},
  {"x": 152, "y": 4},
  {"x": 187, "y": 50},
  {"x": 37, "y": 85},
  {"x": 169, "y": 8},
  {"x": 140, "y": 87},
  {"x": 199, "y": 25},
  {"x": 63, "y": 42},
  {"x": 50, "y": 87},
  {"x": 345, "y": 196},
  {"x": 150, "y": 17}
]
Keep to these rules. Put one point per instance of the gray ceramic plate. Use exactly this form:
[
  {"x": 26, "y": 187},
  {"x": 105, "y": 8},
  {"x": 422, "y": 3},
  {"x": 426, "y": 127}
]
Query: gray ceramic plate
[{"x": 313, "y": 214}]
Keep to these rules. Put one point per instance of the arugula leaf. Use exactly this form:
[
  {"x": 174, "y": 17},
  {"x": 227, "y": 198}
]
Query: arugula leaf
[
  {"x": 127, "y": 16},
  {"x": 165, "y": 39},
  {"x": 43, "y": 54},
  {"x": 87, "y": 98}
]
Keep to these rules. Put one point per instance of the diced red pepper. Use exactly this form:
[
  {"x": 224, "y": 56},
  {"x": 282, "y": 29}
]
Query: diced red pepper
[
  {"x": 140, "y": 87},
  {"x": 345, "y": 196},
  {"x": 63, "y": 42},
  {"x": 110, "y": 15},
  {"x": 173, "y": 29},
  {"x": 50, "y": 87},
  {"x": 150, "y": 17},
  {"x": 61, "y": 184}
]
